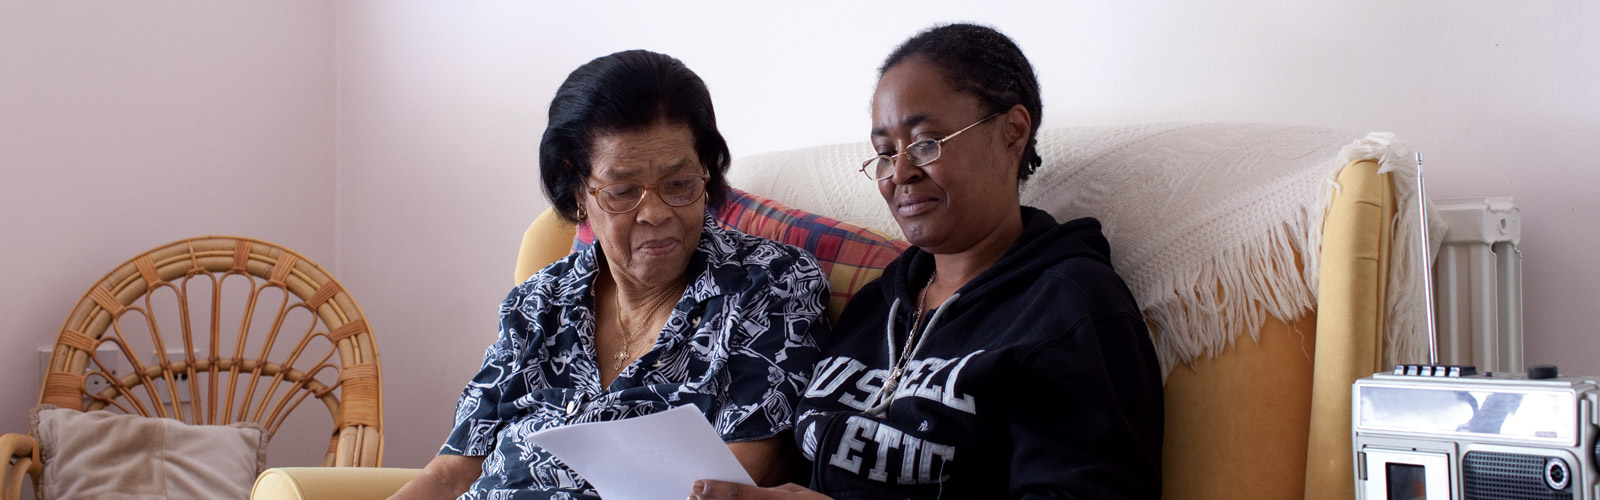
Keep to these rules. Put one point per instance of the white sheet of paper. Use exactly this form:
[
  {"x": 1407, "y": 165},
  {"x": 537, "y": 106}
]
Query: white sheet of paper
[{"x": 657, "y": 456}]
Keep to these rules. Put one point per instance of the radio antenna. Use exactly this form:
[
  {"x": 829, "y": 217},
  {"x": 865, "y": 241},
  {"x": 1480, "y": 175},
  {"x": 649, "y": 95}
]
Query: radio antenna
[{"x": 1427, "y": 268}]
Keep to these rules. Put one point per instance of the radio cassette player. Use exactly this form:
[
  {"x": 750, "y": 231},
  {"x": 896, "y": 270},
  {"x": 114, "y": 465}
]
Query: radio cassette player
[{"x": 1444, "y": 432}]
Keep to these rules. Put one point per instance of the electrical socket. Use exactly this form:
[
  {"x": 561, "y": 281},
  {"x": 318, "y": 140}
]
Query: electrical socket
[
  {"x": 108, "y": 354},
  {"x": 181, "y": 380}
]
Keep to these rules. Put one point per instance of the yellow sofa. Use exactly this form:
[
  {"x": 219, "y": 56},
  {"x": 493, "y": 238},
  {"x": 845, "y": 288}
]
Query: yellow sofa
[{"x": 1264, "y": 416}]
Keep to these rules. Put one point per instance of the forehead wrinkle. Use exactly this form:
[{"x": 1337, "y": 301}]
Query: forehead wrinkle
[
  {"x": 630, "y": 170},
  {"x": 619, "y": 156},
  {"x": 907, "y": 122}
]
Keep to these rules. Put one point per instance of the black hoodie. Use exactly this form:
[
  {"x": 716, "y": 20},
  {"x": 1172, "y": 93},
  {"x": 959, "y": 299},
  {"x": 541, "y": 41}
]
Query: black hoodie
[{"x": 1037, "y": 379}]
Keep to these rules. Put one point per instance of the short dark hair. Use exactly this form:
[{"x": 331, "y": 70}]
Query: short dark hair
[
  {"x": 625, "y": 92},
  {"x": 985, "y": 64}
]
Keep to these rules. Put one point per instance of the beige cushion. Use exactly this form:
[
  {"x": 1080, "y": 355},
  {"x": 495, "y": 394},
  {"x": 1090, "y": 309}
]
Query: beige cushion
[{"x": 99, "y": 454}]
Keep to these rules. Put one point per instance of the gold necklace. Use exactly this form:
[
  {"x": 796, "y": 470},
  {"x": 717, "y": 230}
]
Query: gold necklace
[{"x": 627, "y": 336}]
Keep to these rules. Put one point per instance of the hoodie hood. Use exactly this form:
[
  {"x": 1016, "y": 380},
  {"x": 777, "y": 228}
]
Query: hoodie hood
[{"x": 1042, "y": 244}]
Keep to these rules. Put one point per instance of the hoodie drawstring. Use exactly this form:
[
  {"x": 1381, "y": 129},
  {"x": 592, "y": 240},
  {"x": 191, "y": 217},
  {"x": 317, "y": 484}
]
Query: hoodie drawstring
[{"x": 886, "y": 394}]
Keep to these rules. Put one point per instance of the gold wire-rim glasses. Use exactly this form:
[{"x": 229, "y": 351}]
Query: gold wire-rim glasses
[{"x": 885, "y": 163}]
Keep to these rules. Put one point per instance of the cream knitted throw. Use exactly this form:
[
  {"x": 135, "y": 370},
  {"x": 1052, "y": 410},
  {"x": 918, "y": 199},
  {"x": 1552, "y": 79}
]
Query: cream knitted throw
[{"x": 1206, "y": 221}]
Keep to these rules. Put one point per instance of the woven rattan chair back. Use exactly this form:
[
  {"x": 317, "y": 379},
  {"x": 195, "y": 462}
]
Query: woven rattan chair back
[{"x": 216, "y": 330}]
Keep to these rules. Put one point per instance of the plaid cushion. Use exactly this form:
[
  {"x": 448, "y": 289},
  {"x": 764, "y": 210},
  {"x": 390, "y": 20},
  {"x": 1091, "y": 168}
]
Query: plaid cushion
[{"x": 851, "y": 255}]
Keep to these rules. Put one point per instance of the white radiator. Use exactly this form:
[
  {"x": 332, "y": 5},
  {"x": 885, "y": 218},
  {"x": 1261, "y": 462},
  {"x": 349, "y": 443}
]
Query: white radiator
[{"x": 1477, "y": 284}]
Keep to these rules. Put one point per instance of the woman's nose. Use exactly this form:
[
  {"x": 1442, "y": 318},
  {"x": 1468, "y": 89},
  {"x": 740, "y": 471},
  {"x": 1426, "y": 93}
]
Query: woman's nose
[
  {"x": 904, "y": 171},
  {"x": 652, "y": 210}
]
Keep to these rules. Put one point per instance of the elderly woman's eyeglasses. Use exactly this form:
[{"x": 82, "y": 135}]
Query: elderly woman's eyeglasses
[
  {"x": 920, "y": 153},
  {"x": 623, "y": 197}
]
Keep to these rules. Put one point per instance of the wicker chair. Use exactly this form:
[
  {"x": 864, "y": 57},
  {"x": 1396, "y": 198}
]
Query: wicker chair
[{"x": 166, "y": 315}]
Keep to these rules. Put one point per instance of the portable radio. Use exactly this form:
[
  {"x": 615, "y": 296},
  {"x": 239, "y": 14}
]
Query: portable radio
[{"x": 1445, "y": 432}]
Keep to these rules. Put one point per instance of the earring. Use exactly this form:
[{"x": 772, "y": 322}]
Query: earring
[{"x": 581, "y": 215}]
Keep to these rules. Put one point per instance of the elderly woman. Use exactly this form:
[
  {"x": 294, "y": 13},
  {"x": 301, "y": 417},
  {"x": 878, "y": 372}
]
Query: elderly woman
[
  {"x": 668, "y": 309},
  {"x": 1001, "y": 356}
]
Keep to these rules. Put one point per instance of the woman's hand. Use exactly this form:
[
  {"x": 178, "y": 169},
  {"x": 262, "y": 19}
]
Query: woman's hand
[
  {"x": 446, "y": 476},
  {"x": 707, "y": 489},
  {"x": 761, "y": 459}
]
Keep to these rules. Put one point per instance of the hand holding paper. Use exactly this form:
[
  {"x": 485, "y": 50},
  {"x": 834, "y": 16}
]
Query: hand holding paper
[{"x": 656, "y": 456}]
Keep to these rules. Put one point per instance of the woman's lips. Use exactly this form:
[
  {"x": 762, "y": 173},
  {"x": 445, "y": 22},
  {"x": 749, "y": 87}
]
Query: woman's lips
[
  {"x": 908, "y": 205},
  {"x": 657, "y": 248}
]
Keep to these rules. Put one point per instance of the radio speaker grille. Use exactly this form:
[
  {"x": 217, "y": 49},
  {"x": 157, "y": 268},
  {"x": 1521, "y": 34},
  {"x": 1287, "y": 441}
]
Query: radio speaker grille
[{"x": 1506, "y": 476}]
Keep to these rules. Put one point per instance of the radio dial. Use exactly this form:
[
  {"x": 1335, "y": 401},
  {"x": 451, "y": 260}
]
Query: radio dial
[
  {"x": 1542, "y": 372},
  {"x": 1556, "y": 474}
]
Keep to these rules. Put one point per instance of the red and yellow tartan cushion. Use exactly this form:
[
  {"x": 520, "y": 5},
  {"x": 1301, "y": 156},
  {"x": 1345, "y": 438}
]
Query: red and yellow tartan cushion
[{"x": 851, "y": 255}]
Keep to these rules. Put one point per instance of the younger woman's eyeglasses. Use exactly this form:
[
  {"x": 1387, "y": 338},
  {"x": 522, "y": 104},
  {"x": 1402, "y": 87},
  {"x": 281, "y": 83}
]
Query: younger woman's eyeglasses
[{"x": 920, "y": 153}]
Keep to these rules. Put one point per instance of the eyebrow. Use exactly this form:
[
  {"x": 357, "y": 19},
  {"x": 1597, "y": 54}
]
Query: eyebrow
[
  {"x": 908, "y": 122},
  {"x": 622, "y": 174}
]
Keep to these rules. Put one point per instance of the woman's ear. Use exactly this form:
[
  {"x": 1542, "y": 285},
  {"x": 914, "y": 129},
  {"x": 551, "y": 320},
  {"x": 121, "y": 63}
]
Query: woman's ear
[
  {"x": 1018, "y": 127},
  {"x": 581, "y": 198}
]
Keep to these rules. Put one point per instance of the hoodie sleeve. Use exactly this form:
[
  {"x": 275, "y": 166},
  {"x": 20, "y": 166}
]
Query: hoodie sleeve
[{"x": 1089, "y": 422}]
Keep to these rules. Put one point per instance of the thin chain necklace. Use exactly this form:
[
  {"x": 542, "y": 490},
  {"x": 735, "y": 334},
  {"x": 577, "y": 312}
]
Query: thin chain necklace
[
  {"x": 620, "y": 360},
  {"x": 893, "y": 380}
]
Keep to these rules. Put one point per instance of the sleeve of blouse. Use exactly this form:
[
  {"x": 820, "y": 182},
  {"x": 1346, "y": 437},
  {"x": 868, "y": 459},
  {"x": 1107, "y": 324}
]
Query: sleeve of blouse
[
  {"x": 477, "y": 418},
  {"x": 771, "y": 355}
]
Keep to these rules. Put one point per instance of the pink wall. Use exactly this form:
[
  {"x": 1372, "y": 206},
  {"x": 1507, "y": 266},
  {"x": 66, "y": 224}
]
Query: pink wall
[
  {"x": 126, "y": 125},
  {"x": 438, "y": 148}
]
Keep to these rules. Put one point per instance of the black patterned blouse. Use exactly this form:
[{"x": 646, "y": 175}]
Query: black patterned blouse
[{"x": 739, "y": 346}]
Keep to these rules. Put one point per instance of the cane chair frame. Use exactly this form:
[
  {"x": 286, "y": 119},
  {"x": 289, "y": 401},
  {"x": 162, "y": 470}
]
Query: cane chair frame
[{"x": 354, "y": 400}]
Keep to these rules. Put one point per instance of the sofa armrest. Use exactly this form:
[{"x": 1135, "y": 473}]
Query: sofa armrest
[{"x": 330, "y": 483}]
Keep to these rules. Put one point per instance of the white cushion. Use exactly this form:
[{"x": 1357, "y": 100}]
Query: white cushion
[{"x": 99, "y": 454}]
